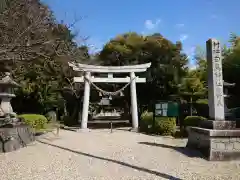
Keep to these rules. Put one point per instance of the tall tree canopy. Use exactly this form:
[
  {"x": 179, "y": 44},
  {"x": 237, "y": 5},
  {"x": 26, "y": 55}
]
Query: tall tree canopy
[
  {"x": 168, "y": 61},
  {"x": 36, "y": 49},
  {"x": 231, "y": 68}
]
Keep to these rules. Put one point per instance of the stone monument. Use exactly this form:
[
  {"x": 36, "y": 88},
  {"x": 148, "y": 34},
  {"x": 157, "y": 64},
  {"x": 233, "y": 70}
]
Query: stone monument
[
  {"x": 216, "y": 138},
  {"x": 14, "y": 134}
]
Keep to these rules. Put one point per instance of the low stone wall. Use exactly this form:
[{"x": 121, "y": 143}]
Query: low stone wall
[
  {"x": 215, "y": 144},
  {"x": 13, "y": 138}
]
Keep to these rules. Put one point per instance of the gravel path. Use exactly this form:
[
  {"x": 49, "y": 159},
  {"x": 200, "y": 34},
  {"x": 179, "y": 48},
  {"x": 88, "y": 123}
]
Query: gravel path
[{"x": 100, "y": 155}]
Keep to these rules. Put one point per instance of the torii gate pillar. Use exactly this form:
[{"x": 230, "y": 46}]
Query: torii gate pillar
[
  {"x": 86, "y": 98},
  {"x": 134, "y": 106}
]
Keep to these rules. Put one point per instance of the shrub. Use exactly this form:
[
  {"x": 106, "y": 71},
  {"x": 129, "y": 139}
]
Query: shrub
[
  {"x": 165, "y": 126},
  {"x": 202, "y": 101},
  {"x": 146, "y": 121},
  {"x": 36, "y": 121},
  {"x": 193, "y": 120}
]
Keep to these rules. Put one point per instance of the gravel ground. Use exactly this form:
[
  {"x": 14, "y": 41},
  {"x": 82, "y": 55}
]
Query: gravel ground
[{"x": 100, "y": 155}]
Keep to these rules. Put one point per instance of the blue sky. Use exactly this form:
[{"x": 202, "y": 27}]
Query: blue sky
[{"x": 191, "y": 21}]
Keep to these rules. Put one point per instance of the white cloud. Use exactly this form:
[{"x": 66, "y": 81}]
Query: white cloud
[
  {"x": 150, "y": 24},
  {"x": 183, "y": 37},
  {"x": 180, "y": 25},
  {"x": 190, "y": 52}
]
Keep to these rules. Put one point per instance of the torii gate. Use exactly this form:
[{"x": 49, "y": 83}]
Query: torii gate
[{"x": 88, "y": 79}]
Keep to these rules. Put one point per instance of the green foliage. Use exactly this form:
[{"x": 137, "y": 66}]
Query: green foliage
[
  {"x": 147, "y": 115},
  {"x": 193, "y": 121},
  {"x": 167, "y": 62},
  {"x": 231, "y": 69},
  {"x": 192, "y": 85},
  {"x": 165, "y": 126},
  {"x": 146, "y": 121},
  {"x": 201, "y": 70},
  {"x": 192, "y": 88},
  {"x": 162, "y": 126},
  {"x": 36, "y": 121},
  {"x": 42, "y": 54},
  {"x": 202, "y": 101}
]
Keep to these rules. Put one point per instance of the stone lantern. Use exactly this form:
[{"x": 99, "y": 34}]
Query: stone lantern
[
  {"x": 14, "y": 134},
  {"x": 6, "y": 94}
]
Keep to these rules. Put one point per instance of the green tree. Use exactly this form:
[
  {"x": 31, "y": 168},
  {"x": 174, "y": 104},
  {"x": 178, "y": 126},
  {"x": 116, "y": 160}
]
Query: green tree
[
  {"x": 192, "y": 88},
  {"x": 231, "y": 68},
  {"x": 29, "y": 32},
  {"x": 201, "y": 70},
  {"x": 168, "y": 61},
  {"x": 38, "y": 50}
]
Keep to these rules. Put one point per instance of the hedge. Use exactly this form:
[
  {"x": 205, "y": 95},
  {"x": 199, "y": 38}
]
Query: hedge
[
  {"x": 193, "y": 120},
  {"x": 202, "y": 101},
  {"x": 165, "y": 126},
  {"x": 162, "y": 126},
  {"x": 36, "y": 121}
]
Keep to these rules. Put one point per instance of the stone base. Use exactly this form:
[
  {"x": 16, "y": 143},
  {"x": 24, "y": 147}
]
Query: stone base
[
  {"x": 134, "y": 129},
  {"x": 13, "y": 138},
  {"x": 220, "y": 125},
  {"x": 215, "y": 144}
]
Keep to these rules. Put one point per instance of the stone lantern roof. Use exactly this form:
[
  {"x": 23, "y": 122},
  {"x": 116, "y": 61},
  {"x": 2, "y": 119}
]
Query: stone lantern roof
[
  {"x": 227, "y": 85},
  {"x": 7, "y": 81}
]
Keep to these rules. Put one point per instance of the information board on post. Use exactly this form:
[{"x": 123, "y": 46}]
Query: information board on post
[{"x": 166, "y": 109}]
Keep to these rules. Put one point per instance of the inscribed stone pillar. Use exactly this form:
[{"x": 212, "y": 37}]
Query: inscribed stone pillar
[
  {"x": 134, "y": 107},
  {"x": 215, "y": 80},
  {"x": 86, "y": 101}
]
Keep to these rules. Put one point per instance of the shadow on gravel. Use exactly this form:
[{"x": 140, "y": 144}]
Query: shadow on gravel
[
  {"x": 162, "y": 175},
  {"x": 183, "y": 150}
]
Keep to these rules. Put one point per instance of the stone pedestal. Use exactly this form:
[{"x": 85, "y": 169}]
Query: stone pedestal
[
  {"x": 216, "y": 140},
  {"x": 13, "y": 138},
  {"x": 218, "y": 125}
]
